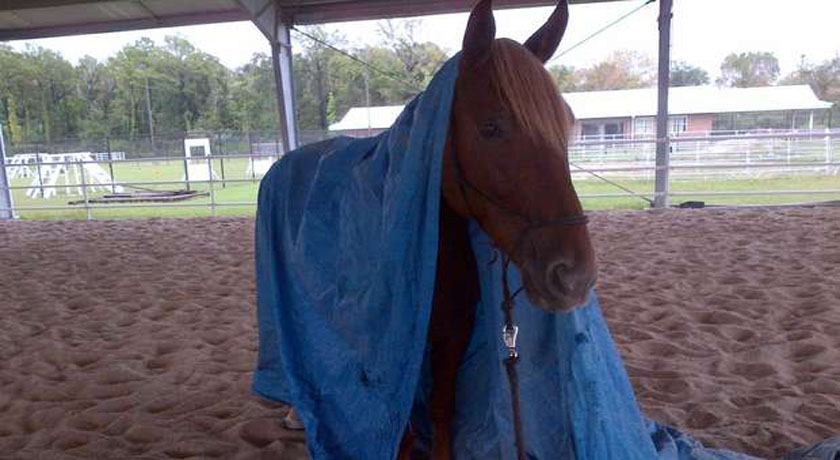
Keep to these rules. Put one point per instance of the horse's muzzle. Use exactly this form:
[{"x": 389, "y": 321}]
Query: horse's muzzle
[{"x": 559, "y": 285}]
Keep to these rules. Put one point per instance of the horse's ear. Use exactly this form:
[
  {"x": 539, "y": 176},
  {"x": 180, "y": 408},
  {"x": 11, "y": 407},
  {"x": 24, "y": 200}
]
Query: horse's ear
[
  {"x": 545, "y": 41},
  {"x": 481, "y": 30}
]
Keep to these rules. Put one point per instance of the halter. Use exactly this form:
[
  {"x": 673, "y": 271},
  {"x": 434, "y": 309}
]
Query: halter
[
  {"x": 532, "y": 224},
  {"x": 511, "y": 330}
]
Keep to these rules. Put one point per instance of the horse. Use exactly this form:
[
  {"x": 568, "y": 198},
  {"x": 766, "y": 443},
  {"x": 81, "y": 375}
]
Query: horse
[{"x": 505, "y": 167}]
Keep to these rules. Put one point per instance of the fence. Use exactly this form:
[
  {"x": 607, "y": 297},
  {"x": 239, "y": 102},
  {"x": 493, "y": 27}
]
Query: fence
[
  {"x": 753, "y": 156},
  {"x": 774, "y": 166}
]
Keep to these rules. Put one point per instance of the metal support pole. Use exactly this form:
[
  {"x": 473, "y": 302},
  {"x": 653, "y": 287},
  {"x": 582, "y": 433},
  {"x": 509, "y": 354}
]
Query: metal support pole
[
  {"x": 663, "y": 147},
  {"x": 7, "y": 207},
  {"x": 281, "y": 58}
]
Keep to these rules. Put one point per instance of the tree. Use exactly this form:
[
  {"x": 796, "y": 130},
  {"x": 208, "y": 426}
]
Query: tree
[
  {"x": 45, "y": 92},
  {"x": 315, "y": 70},
  {"x": 564, "y": 77},
  {"x": 746, "y": 70},
  {"x": 823, "y": 78},
  {"x": 98, "y": 90},
  {"x": 622, "y": 70},
  {"x": 132, "y": 65},
  {"x": 175, "y": 88},
  {"x": 329, "y": 82},
  {"x": 10, "y": 63},
  {"x": 684, "y": 74},
  {"x": 254, "y": 105},
  {"x": 420, "y": 61}
]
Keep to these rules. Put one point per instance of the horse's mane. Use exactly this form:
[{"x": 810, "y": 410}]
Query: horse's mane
[{"x": 530, "y": 93}]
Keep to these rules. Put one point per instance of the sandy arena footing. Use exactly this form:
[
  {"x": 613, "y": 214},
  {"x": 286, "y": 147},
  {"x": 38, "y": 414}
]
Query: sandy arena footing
[{"x": 136, "y": 339}]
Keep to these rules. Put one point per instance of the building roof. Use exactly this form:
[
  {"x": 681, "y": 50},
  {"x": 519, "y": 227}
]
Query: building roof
[
  {"x": 360, "y": 118},
  {"x": 28, "y": 19},
  {"x": 693, "y": 100},
  {"x": 639, "y": 103}
]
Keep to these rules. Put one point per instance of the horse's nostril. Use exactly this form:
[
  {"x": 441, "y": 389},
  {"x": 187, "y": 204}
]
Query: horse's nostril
[{"x": 558, "y": 276}]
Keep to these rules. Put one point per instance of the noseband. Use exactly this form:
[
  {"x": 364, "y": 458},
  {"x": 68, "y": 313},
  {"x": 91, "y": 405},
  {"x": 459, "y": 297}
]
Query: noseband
[
  {"x": 511, "y": 330},
  {"x": 531, "y": 224}
]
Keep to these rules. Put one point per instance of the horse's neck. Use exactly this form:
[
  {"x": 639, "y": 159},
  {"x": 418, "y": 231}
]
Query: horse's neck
[{"x": 457, "y": 271}]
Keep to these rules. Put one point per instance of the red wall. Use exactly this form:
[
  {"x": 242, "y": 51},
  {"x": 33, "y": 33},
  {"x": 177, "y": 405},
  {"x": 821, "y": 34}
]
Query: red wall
[{"x": 700, "y": 124}]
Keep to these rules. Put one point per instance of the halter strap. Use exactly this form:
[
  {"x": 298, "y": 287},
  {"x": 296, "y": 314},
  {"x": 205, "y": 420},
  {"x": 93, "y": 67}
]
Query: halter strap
[
  {"x": 511, "y": 330},
  {"x": 464, "y": 183}
]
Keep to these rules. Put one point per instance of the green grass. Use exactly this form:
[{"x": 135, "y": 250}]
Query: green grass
[
  {"x": 697, "y": 189},
  {"x": 247, "y": 192},
  {"x": 149, "y": 172}
]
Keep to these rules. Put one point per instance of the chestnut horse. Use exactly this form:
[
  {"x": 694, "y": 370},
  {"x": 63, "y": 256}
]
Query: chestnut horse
[{"x": 506, "y": 168}]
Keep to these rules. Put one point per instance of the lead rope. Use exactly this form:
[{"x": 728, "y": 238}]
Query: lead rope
[
  {"x": 510, "y": 330},
  {"x": 509, "y": 335}
]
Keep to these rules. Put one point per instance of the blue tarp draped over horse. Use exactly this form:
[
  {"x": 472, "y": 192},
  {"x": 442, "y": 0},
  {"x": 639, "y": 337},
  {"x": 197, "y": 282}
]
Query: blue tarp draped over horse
[{"x": 346, "y": 247}]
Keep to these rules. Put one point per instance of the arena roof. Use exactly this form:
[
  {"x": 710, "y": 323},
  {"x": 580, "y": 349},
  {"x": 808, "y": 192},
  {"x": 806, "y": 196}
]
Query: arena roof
[
  {"x": 639, "y": 103},
  {"x": 28, "y": 19}
]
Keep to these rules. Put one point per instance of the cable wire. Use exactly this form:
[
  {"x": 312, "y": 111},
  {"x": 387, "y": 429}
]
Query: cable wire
[
  {"x": 362, "y": 62},
  {"x": 615, "y": 184},
  {"x": 600, "y": 31}
]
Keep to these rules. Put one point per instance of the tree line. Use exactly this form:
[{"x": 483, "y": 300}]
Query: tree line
[{"x": 173, "y": 88}]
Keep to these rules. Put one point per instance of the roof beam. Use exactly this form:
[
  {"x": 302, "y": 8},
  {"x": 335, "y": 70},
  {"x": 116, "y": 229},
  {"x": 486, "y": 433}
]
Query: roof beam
[
  {"x": 125, "y": 24},
  {"x": 297, "y": 12},
  {"x": 7, "y": 5},
  {"x": 265, "y": 13}
]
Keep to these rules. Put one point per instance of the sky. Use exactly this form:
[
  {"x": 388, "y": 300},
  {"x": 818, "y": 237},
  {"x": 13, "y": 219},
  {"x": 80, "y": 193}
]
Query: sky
[{"x": 704, "y": 32}]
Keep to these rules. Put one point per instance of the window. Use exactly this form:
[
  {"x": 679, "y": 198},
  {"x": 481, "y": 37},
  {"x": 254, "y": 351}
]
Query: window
[
  {"x": 613, "y": 130},
  {"x": 591, "y": 130},
  {"x": 644, "y": 127},
  {"x": 678, "y": 125}
]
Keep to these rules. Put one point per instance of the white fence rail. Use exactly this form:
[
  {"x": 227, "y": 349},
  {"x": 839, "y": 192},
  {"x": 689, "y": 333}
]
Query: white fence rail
[
  {"x": 746, "y": 156},
  {"x": 706, "y": 158}
]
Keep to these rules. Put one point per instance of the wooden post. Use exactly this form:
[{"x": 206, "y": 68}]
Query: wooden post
[
  {"x": 84, "y": 188},
  {"x": 38, "y": 160},
  {"x": 221, "y": 158},
  {"x": 827, "y": 150},
  {"x": 212, "y": 188},
  {"x": 186, "y": 165},
  {"x": 251, "y": 154},
  {"x": 111, "y": 164}
]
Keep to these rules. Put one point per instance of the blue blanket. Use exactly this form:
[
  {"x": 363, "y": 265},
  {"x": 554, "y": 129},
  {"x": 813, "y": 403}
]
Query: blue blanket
[{"x": 346, "y": 247}]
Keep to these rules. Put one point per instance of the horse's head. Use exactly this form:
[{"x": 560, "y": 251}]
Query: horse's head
[{"x": 507, "y": 166}]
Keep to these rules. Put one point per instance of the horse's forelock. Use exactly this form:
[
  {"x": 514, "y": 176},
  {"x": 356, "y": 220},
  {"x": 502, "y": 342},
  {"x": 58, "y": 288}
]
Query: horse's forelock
[{"x": 530, "y": 93}]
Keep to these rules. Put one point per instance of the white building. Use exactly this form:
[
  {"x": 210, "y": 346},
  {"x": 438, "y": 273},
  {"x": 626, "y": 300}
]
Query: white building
[{"x": 698, "y": 110}]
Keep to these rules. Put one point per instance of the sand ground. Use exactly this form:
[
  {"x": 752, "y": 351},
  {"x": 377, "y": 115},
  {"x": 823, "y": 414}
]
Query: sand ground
[{"x": 136, "y": 339}]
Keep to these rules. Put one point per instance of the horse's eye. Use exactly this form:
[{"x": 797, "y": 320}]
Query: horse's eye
[{"x": 490, "y": 130}]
